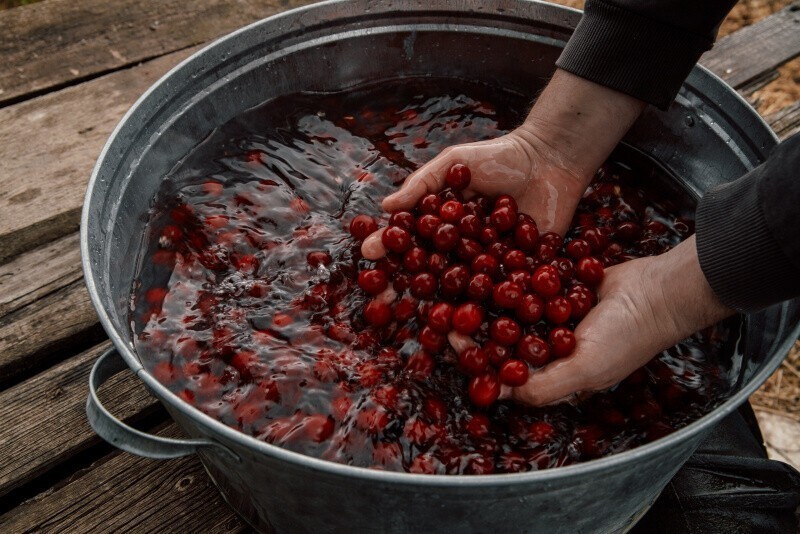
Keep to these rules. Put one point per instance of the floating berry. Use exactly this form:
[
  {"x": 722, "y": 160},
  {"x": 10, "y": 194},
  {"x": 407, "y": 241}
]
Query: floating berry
[
  {"x": 362, "y": 226},
  {"x": 513, "y": 373},
  {"x": 458, "y": 177}
]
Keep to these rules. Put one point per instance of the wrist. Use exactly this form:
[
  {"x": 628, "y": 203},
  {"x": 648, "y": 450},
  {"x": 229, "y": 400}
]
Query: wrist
[{"x": 578, "y": 123}]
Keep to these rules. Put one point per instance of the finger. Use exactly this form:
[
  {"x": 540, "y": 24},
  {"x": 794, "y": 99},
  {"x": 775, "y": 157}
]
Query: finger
[
  {"x": 556, "y": 382},
  {"x": 427, "y": 179},
  {"x": 372, "y": 248},
  {"x": 460, "y": 342}
]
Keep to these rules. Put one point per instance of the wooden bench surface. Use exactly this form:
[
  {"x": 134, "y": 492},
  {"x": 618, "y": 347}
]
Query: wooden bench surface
[{"x": 71, "y": 70}]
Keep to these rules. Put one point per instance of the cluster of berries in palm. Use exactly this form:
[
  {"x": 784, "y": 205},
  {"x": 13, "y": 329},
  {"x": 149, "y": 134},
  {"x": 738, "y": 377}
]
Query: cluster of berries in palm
[{"x": 482, "y": 269}]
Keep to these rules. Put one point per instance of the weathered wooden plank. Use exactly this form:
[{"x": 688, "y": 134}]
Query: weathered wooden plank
[
  {"x": 54, "y": 43},
  {"x": 32, "y": 336},
  {"x": 48, "y": 147},
  {"x": 786, "y": 122},
  {"x": 130, "y": 494},
  {"x": 44, "y": 418},
  {"x": 752, "y": 51},
  {"x": 39, "y": 273}
]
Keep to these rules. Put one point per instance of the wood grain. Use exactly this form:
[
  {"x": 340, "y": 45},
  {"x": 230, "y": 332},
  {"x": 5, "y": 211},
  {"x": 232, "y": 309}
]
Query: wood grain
[
  {"x": 44, "y": 418},
  {"x": 39, "y": 273},
  {"x": 125, "y": 493},
  {"x": 48, "y": 147},
  {"x": 36, "y": 334},
  {"x": 786, "y": 122},
  {"x": 54, "y": 43},
  {"x": 752, "y": 51}
]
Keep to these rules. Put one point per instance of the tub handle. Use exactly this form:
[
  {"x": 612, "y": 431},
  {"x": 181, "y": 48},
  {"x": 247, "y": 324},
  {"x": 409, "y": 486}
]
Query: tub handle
[{"x": 128, "y": 438}]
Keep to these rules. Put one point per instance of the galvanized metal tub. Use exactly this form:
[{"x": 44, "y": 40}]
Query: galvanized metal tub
[{"x": 709, "y": 135}]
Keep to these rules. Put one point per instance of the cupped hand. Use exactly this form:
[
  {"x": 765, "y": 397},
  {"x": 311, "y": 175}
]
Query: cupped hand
[
  {"x": 645, "y": 306},
  {"x": 517, "y": 164}
]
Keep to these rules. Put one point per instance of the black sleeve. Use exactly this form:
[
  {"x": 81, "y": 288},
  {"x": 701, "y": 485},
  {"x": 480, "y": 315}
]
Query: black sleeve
[
  {"x": 644, "y": 48},
  {"x": 748, "y": 236}
]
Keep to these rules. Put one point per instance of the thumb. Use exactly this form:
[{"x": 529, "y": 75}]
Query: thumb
[{"x": 429, "y": 178}]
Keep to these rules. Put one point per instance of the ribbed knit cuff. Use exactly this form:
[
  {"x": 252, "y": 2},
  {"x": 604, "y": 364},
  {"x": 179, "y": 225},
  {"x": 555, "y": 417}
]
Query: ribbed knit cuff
[
  {"x": 743, "y": 263},
  {"x": 638, "y": 56}
]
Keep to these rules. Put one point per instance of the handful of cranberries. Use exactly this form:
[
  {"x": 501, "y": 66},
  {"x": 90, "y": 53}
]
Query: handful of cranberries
[{"x": 481, "y": 269}]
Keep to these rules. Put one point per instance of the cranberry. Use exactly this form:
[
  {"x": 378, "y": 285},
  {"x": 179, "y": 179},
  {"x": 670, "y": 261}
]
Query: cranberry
[
  {"x": 558, "y": 310},
  {"x": 468, "y": 249},
  {"x": 467, "y": 319},
  {"x": 373, "y": 281},
  {"x": 362, "y": 226},
  {"x": 480, "y": 287},
  {"x": 533, "y": 350},
  {"x": 404, "y": 220},
  {"x": 545, "y": 252},
  {"x": 445, "y": 238},
  {"x": 431, "y": 340},
  {"x": 581, "y": 302},
  {"x": 458, "y": 177},
  {"x": 589, "y": 271},
  {"x": 415, "y": 260},
  {"x": 578, "y": 248},
  {"x": 513, "y": 260},
  {"x": 505, "y": 331},
  {"x": 485, "y": 263},
  {"x": 562, "y": 341},
  {"x": 473, "y": 361},
  {"x": 435, "y": 409},
  {"x": 377, "y": 313},
  {"x": 478, "y": 425},
  {"x": 437, "y": 263},
  {"x": 401, "y": 282},
  {"x": 488, "y": 235},
  {"x": 388, "y": 265},
  {"x": 470, "y": 226},
  {"x": 506, "y": 201},
  {"x": 497, "y": 353},
  {"x": 503, "y": 218},
  {"x": 552, "y": 239},
  {"x": 526, "y": 235},
  {"x": 597, "y": 238},
  {"x": 315, "y": 259},
  {"x": 439, "y": 317},
  {"x": 451, "y": 211},
  {"x": 424, "y": 464},
  {"x": 420, "y": 365},
  {"x": 507, "y": 294},
  {"x": 405, "y": 309},
  {"x": 545, "y": 281},
  {"x": 454, "y": 280},
  {"x": 484, "y": 390},
  {"x": 565, "y": 268},
  {"x": 522, "y": 279},
  {"x": 541, "y": 432},
  {"x": 430, "y": 204},
  {"x": 513, "y": 373},
  {"x": 530, "y": 308},
  {"x": 423, "y": 285},
  {"x": 627, "y": 232},
  {"x": 498, "y": 249},
  {"x": 427, "y": 224},
  {"x": 396, "y": 239}
]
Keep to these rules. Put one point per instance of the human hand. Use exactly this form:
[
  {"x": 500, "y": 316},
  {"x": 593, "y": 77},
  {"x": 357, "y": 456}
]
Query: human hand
[{"x": 642, "y": 310}]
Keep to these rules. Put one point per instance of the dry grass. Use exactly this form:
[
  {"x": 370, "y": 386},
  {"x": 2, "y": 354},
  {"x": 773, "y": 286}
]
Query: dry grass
[{"x": 781, "y": 392}]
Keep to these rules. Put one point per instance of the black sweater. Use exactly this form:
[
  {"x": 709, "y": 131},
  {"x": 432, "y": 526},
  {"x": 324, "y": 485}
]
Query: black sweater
[{"x": 748, "y": 236}]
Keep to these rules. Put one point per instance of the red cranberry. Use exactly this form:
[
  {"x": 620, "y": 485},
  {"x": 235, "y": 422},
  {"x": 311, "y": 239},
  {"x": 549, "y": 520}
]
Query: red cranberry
[
  {"x": 439, "y": 317},
  {"x": 485, "y": 263},
  {"x": 581, "y": 303},
  {"x": 473, "y": 361},
  {"x": 506, "y": 201},
  {"x": 562, "y": 341},
  {"x": 401, "y": 282},
  {"x": 362, "y": 226},
  {"x": 437, "y": 263},
  {"x": 420, "y": 365},
  {"x": 315, "y": 259},
  {"x": 405, "y": 309},
  {"x": 558, "y": 310},
  {"x": 541, "y": 432},
  {"x": 530, "y": 308},
  {"x": 373, "y": 281},
  {"x": 546, "y": 281},
  {"x": 521, "y": 278},
  {"x": 514, "y": 373},
  {"x": 467, "y": 319},
  {"x": 470, "y": 226},
  {"x": 552, "y": 239},
  {"x": 565, "y": 268},
  {"x": 589, "y": 271},
  {"x": 445, "y": 238},
  {"x": 513, "y": 260},
  {"x": 526, "y": 235},
  {"x": 627, "y": 232},
  {"x": 597, "y": 238},
  {"x": 454, "y": 280},
  {"x": 396, "y": 239},
  {"x": 480, "y": 287},
  {"x": 451, "y": 211},
  {"x": 488, "y": 235},
  {"x": 545, "y": 252},
  {"x": 377, "y": 313},
  {"x": 468, "y": 249},
  {"x": 458, "y": 177},
  {"x": 388, "y": 265},
  {"x": 484, "y": 390},
  {"x": 435, "y": 409},
  {"x": 430, "y": 204},
  {"x": 578, "y": 248},
  {"x": 478, "y": 426},
  {"x": 533, "y": 350},
  {"x": 415, "y": 260},
  {"x": 424, "y": 464},
  {"x": 496, "y": 353},
  {"x": 498, "y": 249},
  {"x": 507, "y": 294},
  {"x": 503, "y": 219},
  {"x": 427, "y": 224},
  {"x": 423, "y": 285},
  {"x": 505, "y": 331},
  {"x": 403, "y": 219},
  {"x": 432, "y": 341}
]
